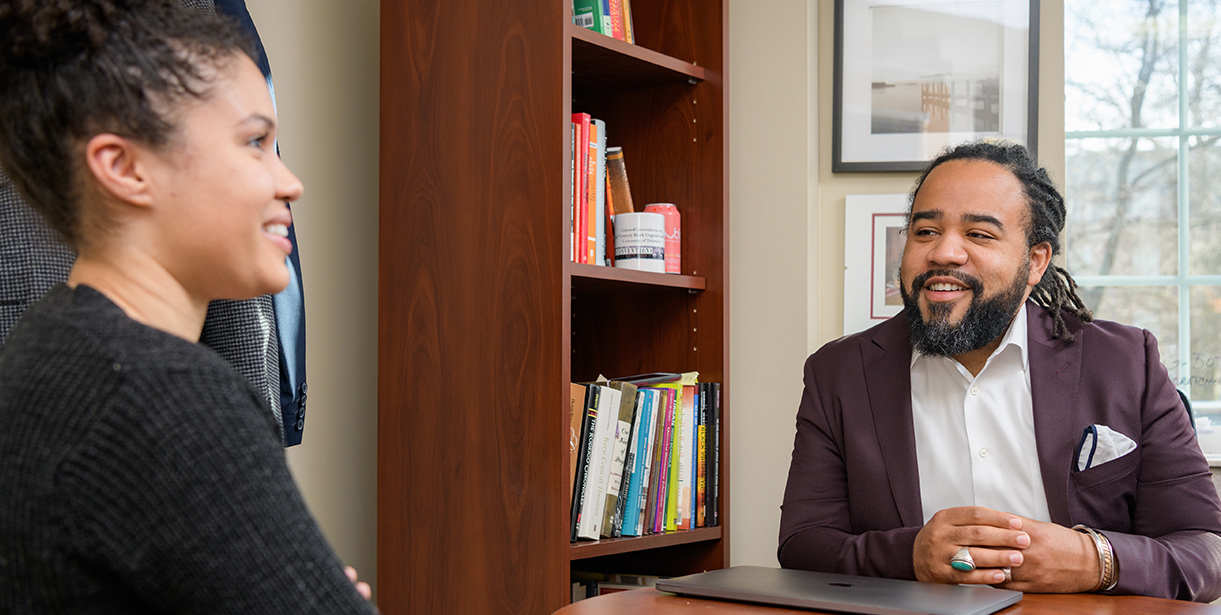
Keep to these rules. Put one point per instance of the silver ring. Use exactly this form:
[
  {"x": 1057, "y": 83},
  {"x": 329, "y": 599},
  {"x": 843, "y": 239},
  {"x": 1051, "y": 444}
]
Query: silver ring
[
  {"x": 962, "y": 561},
  {"x": 1008, "y": 574}
]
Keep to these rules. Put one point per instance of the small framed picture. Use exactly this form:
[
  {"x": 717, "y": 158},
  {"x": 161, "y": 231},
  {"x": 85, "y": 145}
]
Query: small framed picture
[
  {"x": 873, "y": 250},
  {"x": 915, "y": 76}
]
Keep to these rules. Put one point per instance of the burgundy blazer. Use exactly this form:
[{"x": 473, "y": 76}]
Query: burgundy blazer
[{"x": 852, "y": 503}]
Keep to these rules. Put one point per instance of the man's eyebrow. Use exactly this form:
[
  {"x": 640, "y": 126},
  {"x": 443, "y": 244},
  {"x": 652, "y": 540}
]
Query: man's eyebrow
[
  {"x": 928, "y": 214},
  {"x": 983, "y": 219}
]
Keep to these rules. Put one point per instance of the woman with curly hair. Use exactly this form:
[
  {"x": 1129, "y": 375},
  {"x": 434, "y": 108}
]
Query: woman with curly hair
[{"x": 138, "y": 472}]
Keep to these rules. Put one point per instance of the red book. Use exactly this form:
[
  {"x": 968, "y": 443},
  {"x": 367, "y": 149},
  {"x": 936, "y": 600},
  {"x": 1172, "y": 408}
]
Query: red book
[
  {"x": 580, "y": 204},
  {"x": 616, "y": 13}
]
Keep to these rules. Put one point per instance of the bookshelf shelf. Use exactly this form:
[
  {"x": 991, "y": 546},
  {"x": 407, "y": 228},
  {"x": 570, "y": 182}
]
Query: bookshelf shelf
[
  {"x": 483, "y": 322},
  {"x": 613, "y": 546},
  {"x": 596, "y": 277},
  {"x": 601, "y": 63}
]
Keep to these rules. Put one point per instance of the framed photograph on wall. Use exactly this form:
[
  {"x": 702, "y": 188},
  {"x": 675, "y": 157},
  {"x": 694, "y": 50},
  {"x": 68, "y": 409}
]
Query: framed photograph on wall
[
  {"x": 873, "y": 248},
  {"x": 915, "y": 76}
]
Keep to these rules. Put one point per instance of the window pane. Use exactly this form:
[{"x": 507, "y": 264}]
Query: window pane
[
  {"x": 1121, "y": 64},
  {"x": 1205, "y": 214},
  {"x": 1155, "y": 308},
  {"x": 1122, "y": 213},
  {"x": 1205, "y": 360},
  {"x": 1204, "y": 63}
]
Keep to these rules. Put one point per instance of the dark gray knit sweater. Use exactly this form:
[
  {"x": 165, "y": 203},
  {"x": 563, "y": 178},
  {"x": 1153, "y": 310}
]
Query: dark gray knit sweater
[{"x": 140, "y": 474}]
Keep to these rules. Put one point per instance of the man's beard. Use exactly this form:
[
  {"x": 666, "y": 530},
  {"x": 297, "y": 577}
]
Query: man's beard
[{"x": 985, "y": 319}]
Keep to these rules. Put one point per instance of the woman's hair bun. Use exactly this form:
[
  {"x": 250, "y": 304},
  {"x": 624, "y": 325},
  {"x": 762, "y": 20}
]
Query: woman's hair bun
[{"x": 39, "y": 31}]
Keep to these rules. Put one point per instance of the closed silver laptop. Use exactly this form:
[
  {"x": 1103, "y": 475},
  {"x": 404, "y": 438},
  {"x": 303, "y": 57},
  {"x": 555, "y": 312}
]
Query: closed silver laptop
[{"x": 840, "y": 593}]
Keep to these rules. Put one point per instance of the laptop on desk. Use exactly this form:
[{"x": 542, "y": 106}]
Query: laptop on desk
[{"x": 840, "y": 593}]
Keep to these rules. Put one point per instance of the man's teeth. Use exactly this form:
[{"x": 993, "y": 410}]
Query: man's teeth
[
  {"x": 277, "y": 229},
  {"x": 944, "y": 286}
]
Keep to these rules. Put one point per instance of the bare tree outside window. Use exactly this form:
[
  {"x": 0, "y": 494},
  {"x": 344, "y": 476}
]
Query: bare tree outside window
[{"x": 1143, "y": 176}]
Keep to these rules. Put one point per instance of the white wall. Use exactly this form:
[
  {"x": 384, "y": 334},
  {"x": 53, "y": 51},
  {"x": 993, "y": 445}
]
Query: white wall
[
  {"x": 324, "y": 59},
  {"x": 772, "y": 192}
]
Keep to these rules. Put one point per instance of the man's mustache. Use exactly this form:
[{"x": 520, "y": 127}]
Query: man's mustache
[{"x": 968, "y": 280}]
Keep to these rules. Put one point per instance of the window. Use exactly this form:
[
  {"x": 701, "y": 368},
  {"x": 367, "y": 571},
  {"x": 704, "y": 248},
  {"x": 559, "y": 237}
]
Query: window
[{"x": 1143, "y": 179}]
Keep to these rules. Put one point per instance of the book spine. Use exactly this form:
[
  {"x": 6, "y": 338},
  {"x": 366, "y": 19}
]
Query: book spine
[
  {"x": 591, "y": 195},
  {"x": 599, "y": 476},
  {"x": 585, "y": 13},
  {"x": 715, "y": 505},
  {"x": 616, "y": 13},
  {"x": 673, "y": 483},
  {"x": 701, "y": 504},
  {"x": 629, "y": 466},
  {"x": 600, "y": 209},
  {"x": 662, "y": 468},
  {"x": 588, "y": 431},
  {"x": 581, "y": 200},
  {"x": 607, "y": 28},
  {"x": 648, "y": 483},
  {"x": 628, "y": 31},
  {"x": 576, "y": 416},
  {"x": 636, "y": 458},
  {"x": 623, "y": 436},
  {"x": 572, "y": 194}
]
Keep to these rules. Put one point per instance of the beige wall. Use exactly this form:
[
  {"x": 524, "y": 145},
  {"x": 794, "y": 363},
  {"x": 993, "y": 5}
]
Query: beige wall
[
  {"x": 324, "y": 58},
  {"x": 786, "y": 233}
]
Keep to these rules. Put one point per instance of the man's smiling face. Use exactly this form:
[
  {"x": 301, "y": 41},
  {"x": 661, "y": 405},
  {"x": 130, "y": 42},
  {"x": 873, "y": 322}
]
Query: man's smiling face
[{"x": 966, "y": 266}]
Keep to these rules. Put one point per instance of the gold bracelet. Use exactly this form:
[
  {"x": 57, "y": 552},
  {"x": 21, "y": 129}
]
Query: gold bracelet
[{"x": 1107, "y": 562}]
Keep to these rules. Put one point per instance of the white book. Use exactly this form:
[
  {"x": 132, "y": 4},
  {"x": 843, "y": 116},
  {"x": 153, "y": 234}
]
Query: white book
[{"x": 600, "y": 463}]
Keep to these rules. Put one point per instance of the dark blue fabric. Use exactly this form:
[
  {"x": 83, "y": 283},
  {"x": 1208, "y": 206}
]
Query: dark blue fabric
[{"x": 289, "y": 304}]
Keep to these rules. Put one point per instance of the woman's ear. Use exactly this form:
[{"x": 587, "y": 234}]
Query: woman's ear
[{"x": 118, "y": 166}]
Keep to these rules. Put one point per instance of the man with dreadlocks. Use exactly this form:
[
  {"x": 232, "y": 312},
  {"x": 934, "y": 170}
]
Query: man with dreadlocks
[{"x": 993, "y": 432}]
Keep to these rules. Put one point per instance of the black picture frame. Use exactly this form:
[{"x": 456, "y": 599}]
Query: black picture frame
[{"x": 867, "y": 140}]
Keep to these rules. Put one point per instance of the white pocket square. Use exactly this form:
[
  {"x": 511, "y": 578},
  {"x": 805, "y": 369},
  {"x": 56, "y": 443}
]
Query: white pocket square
[{"x": 1100, "y": 444}]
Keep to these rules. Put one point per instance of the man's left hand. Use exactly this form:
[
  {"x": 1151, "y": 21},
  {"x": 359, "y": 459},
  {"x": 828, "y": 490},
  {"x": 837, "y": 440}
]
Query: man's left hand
[{"x": 1059, "y": 560}]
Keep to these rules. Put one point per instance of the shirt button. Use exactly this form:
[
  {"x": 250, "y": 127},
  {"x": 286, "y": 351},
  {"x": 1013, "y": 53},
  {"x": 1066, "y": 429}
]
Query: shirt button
[
  {"x": 975, "y": 390},
  {"x": 983, "y": 453}
]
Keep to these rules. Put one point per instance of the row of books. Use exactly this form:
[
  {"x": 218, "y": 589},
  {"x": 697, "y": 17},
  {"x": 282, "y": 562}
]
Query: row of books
[
  {"x": 610, "y": 17},
  {"x": 599, "y": 191},
  {"x": 644, "y": 455}
]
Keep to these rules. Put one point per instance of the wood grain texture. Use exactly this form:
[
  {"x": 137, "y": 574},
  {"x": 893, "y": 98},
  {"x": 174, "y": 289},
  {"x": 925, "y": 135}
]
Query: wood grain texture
[
  {"x": 470, "y": 482},
  {"x": 483, "y": 322},
  {"x": 653, "y": 602}
]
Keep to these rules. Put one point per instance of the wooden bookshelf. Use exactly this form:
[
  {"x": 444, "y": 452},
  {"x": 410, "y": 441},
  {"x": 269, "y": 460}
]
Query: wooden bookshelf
[{"x": 483, "y": 321}]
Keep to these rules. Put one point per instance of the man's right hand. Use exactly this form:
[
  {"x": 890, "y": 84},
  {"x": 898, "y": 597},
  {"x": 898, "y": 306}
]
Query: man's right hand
[{"x": 995, "y": 540}]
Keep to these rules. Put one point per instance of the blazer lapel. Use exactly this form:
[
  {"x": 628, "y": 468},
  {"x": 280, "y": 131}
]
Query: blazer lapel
[
  {"x": 1055, "y": 372},
  {"x": 887, "y": 360}
]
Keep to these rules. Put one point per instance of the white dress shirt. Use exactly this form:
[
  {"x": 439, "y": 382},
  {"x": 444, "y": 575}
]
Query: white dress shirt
[{"x": 975, "y": 442}]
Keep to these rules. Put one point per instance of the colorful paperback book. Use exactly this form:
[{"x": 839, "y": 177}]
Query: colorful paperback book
[
  {"x": 598, "y": 478},
  {"x": 714, "y": 468},
  {"x": 580, "y": 207},
  {"x": 591, "y": 197},
  {"x": 576, "y": 417},
  {"x": 600, "y": 230},
  {"x": 623, "y": 435},
  {"x": 588, "y": 14},
  {"x": 661, "y": 463},
  {"x": 637, "y": 458},
  {"x": 588, "y": 433},
  {"x": 629, "y": 468},
  {"x": 701, "y": 481}
]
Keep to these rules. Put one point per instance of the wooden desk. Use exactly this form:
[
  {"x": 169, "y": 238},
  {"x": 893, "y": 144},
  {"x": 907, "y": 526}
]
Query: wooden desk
[{"x": 653, "y": 602}]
